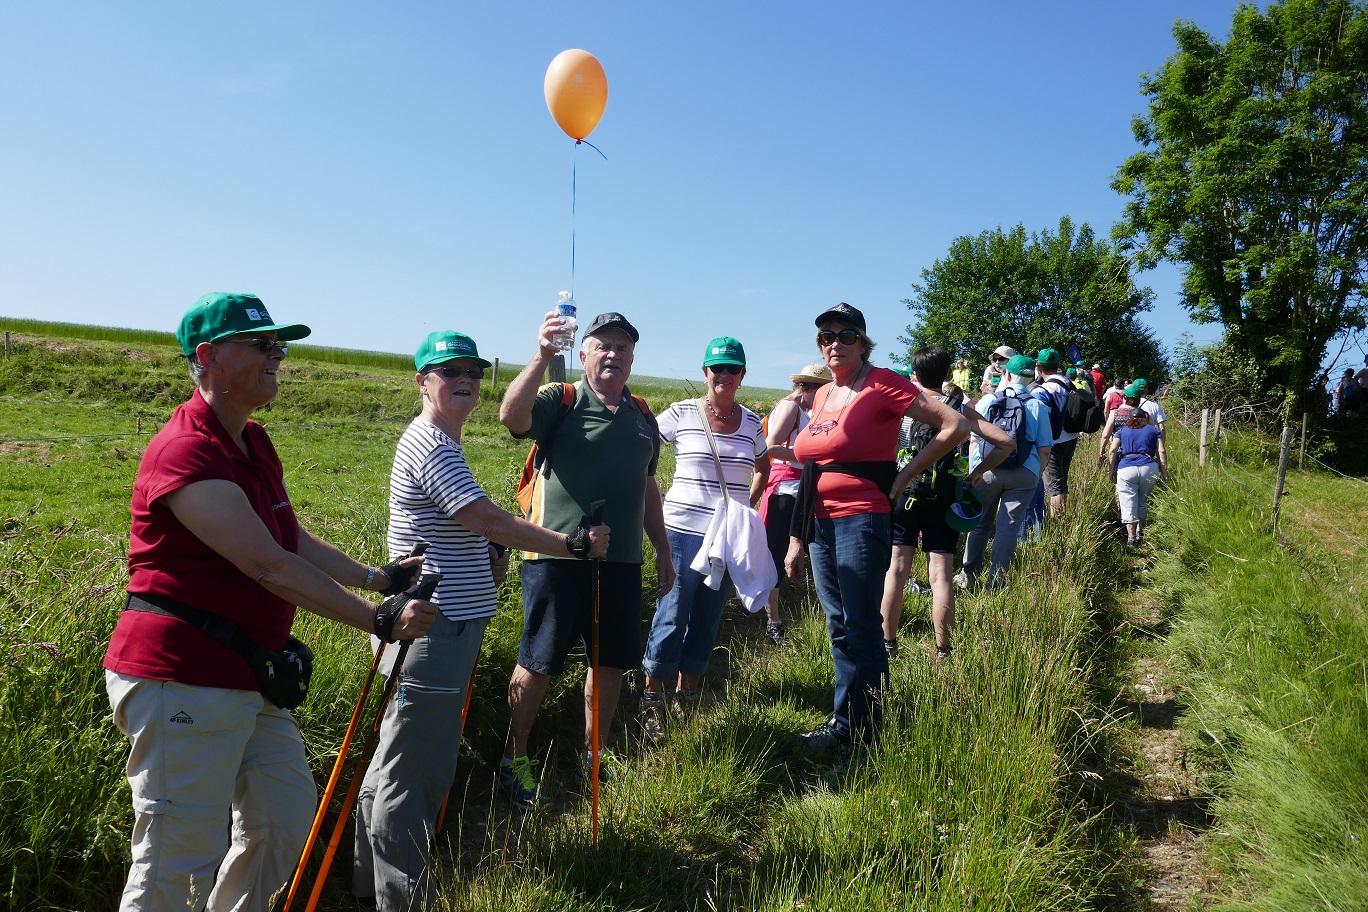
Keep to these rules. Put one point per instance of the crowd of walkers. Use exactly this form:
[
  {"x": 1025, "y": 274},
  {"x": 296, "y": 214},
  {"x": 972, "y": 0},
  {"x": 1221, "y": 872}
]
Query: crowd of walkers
[{"x": 852, "y": 473}]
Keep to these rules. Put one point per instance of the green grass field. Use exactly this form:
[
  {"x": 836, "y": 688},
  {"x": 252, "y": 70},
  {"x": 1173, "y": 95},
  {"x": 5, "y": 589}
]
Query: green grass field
[{"x": 979, "y": 795}]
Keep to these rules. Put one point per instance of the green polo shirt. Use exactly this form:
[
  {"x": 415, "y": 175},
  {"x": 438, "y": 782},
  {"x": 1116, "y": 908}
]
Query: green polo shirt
[{"x": 598, "y": 454}]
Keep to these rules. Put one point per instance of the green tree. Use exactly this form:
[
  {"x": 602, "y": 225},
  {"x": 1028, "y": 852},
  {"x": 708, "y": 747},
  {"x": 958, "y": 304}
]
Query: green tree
[
  {"x": 1255, "y": 178},
  {"x": 1036, "y": 291}
]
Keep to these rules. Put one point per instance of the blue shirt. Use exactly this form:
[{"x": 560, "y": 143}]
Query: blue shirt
[
  {"x": 1139, "y": 445},
  {"x": 1037, "y": 427}
]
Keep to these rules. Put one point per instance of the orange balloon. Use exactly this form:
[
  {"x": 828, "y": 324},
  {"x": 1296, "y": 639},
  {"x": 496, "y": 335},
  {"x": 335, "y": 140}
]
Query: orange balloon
[{"x": 576, "y": 92}]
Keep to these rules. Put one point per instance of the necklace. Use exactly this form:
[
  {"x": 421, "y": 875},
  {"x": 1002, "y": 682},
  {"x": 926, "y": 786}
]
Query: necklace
[
  {"x": 824, "y": 427},
  {"x": 707, "y": 401}
]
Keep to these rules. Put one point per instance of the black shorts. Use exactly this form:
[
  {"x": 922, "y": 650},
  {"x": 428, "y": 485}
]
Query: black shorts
[
  {"x": 927, "y": 525},
  {"x": 778, "y": 519},
  {"x": 1056, "y": 477},
  {"x": 558, "y": 606}
]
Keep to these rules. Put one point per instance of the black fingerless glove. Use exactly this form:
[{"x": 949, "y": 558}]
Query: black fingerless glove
[
  {"x": 400, "y": 578},
  {"x": 577, "y": 542},
  {"x": 387, "y": 612}
]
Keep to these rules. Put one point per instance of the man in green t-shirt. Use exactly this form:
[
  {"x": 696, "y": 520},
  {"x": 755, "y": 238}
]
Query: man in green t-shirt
[{"x": 605, "y": 447}]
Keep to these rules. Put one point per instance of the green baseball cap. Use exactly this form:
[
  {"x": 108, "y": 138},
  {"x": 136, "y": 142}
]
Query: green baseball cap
[
  {"x": 1139, "y": 383},
  {"x": 724, "y": 350},
  {"x": 221, "y": 314},
  {"x": 446, "y": 345},
  {"x": 1049, "y": 357},
  {"x": 1133, "y": 390},
  {"x": 902, "y": 371},
  {"x": 1021, "y": 366}
]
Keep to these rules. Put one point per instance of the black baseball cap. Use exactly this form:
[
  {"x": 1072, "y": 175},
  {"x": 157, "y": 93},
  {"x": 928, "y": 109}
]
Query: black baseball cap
[
  {"x": 843, "y": 311},
  {"x": 612, "y": 320}
]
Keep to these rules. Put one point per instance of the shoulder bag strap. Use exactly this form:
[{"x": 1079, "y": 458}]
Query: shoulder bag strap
[{"x": 712, "y": 445}]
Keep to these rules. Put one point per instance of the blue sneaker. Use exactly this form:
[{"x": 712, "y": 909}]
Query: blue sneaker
[{"x": 515, "y": 778}]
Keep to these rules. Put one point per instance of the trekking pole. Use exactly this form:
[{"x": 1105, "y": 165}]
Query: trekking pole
[
  {"x": 336, "y": 774},
  {"x": 595, "y": 519},
  {"x": 426, "y": 586}
]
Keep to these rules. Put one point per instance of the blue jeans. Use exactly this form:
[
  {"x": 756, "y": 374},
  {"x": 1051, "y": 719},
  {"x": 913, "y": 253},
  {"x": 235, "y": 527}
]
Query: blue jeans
[
  {"x": 849, "y": 557},
  {"x": 686, "y": 620}
]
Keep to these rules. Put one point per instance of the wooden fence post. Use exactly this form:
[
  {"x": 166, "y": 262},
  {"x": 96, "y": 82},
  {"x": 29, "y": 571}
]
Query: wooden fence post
[
  {"x": 1284, "y": 455},
  {"x": 556, "y": 372},
  {"x": 1216, "y": 432},
  {"x": 6, "y": 345},
  {"x": 495, "y": 386},
  {"x": 1201, "y": 448},
  {"x": 1301, "y": 456}
]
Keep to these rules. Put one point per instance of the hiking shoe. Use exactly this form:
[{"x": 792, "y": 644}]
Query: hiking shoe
[
  {"x": 775, "y": 631},
  {"x": 827, "y": 736},
  {"x": 610, "y": 765},
  {"x": 686, "y": 701},
  {"x": 652, "y": 717},
  {"x": 515, "y": 778},
  {"x": 916, "y": 587},
  {"x": 962, "y": 580},
  {"x": 891, "y": 647},
  {"x": 942, "y": 653}
]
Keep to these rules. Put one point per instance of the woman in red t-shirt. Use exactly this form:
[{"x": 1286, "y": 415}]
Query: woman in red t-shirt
[{"x": 844, "y": 506}]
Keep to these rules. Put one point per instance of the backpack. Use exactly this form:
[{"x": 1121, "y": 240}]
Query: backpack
[
  {"x": 1009, "y": 414},
  {"x": 538, "y": 463},
  {"x": 1080, "y": 413},
  {"x": 935, "y": 487}
]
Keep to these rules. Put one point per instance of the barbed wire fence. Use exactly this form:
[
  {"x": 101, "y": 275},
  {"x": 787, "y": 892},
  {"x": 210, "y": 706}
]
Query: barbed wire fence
[{"x": 1236, "y": 443}]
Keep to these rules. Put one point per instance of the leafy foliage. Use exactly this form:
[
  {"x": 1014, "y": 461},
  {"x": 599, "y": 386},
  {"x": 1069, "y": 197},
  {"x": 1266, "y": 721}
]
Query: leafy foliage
[
  {"x": 1255, "y": 176},
  {"x": 1036, "y": 291}
]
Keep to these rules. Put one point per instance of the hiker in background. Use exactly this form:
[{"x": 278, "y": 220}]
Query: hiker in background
[
  {"x": 434, "y": 498},
  {"x": 1362, "y": 377},
  {"x": 717, "y": 441},
  {"x": 1348, "y": 395},
  {"x": 1053, "y": 391},
  {"x": 604, "y": 445},
  {"x": 1152, "y": 408},
  {"x": 1007, "y": 489},
  {"x": 1099, "y": 382},
  {"x": 961, "y": 375},
  {"x": 842, "y": 516},
  {"x": 992, "y": 374},
  {"x": 221, "y": 787},
  {"x": 1130, "y": 402},
  {"x": 786, "y": 421},
  {"x": 1114, "y": 397},
  {"x": 1138, "y": 463},
  {"x": 919, "y": 509}
]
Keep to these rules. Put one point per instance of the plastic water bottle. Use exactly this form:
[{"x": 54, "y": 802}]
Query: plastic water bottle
[{"x": 565, "y": 308}]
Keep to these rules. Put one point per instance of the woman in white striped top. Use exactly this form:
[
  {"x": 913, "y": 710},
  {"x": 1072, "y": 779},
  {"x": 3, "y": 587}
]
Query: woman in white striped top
[
  {"x": 687, "y": 617},
  {"x": 434, "y": 498}
]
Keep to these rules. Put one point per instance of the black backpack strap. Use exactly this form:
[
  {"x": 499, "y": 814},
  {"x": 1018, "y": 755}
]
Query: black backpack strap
[{"x": 217, "y": 626}]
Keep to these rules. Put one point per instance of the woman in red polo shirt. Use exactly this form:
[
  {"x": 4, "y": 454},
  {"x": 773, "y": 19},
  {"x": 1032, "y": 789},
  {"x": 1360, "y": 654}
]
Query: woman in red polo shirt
[{"x": 222, "y": 793}]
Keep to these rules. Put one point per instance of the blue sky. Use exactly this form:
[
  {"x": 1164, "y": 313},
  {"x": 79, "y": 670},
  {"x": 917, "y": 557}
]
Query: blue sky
[{"x": 380, "y": 171}]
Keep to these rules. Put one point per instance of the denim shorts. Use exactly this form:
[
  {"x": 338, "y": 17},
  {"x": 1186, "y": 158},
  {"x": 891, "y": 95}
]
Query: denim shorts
[{"x": 558, "y": 607}]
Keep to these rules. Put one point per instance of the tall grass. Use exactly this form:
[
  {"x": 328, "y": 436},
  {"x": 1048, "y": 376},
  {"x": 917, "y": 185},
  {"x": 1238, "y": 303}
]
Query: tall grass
[{"x": 1269, "y": 638}]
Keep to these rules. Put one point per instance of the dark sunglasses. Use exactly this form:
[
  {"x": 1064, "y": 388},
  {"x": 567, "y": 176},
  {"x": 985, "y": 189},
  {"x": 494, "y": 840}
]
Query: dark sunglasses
[
  {"x": 726, "y": 368},
  {"x": 261, "y": 344},
  {"x": 845, "y": 336},
  {"x": 451, "y": 373}
]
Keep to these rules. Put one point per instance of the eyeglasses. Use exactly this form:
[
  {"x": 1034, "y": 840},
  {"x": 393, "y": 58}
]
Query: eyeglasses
[
  {"x": 845, "y": 336},
  {"x": 996, "y": 359},
  {"x": 451, "y": 373},
  {"x": 262, "y": 344},
  {"x": 726, "y": 368}
]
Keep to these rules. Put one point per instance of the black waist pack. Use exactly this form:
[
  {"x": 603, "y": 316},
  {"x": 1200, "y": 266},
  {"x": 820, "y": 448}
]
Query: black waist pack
[{"x": 282, "y": 676}]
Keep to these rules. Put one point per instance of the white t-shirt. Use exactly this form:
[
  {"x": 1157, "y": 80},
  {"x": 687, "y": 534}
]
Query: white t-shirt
[
  {"x": 429, "y": 483},
  {"x": 790, "y": 487},
  {"x": 1155, "y": 412},
  {"x": 695, "y": 492}
]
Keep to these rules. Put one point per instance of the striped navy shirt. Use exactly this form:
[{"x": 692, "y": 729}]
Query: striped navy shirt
[
  {"x": 429, "y": 483},
  {"x": 695, "y": 491}
]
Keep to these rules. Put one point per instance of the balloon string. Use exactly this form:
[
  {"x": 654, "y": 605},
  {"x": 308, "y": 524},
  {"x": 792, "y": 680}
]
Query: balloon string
[
  {"x": 574, "y": 180},
  {"x": 592, "y": 146}
]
